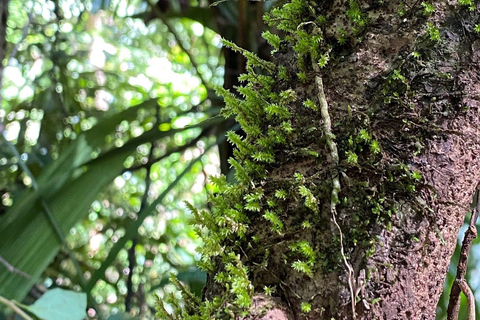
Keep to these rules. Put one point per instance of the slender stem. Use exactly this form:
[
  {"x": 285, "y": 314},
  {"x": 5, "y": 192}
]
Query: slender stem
[
  {"x": 13, "y": 269},
  {"x": 143, "y": 205},
  {"x": 336, "y": 187},
  {"x": 15, "y": 308},
  {"x": 470, "y": 298}
]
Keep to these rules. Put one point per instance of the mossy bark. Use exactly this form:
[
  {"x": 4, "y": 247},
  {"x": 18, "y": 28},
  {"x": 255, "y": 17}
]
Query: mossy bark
[{"x": 403, "y": 97}]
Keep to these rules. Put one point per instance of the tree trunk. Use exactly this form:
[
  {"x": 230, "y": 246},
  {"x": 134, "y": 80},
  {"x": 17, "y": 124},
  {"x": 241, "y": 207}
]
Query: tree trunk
[
  {"x": 3, "y": 40},
  {"x": 358, "y": 215}
]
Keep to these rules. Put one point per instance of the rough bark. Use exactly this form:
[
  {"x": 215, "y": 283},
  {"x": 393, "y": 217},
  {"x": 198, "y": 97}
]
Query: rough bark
[
  {"x": 426, "y": 120},
  {"x": 408, "y": 268}
]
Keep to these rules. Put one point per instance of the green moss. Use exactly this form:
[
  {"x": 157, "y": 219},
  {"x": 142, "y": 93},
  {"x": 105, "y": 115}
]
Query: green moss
[
  {"x": 306, "y": 307},
  {"x": 433, "y": 33},
  {"x": 355, "y": 14},
  {"x": 469, "y": 3},
  {"x": 428, "y": 8},
  {"x": 272, "y": 39}
]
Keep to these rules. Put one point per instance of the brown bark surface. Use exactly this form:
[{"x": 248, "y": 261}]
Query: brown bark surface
[{"x": 431, "y": 126}]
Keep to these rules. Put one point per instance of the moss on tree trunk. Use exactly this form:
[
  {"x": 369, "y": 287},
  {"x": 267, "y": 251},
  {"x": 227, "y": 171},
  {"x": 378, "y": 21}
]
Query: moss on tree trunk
[{"x": 347, "y": 207}]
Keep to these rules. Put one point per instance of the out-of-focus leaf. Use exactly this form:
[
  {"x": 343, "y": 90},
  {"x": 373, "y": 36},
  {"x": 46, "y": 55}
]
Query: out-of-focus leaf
[
  {"x": 120, "y": 316},
  {"x": 77, "y": 154},
  {"x": 30, "y": 245},
  {"x": 100, "y": 5},
  {"x": 59, "y": 304},
  {"x": 199, "y": 14},
  {"x": 193, "y": 277},
  {"x": 32, "y": 236},
  {"x": 132, "y": 229},
  {"x": 27, "y": 239}
]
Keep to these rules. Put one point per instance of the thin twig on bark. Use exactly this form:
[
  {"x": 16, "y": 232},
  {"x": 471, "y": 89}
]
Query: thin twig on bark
[
  {"x": 327, "y": 124},
  {"x": 470, "y": 297}
]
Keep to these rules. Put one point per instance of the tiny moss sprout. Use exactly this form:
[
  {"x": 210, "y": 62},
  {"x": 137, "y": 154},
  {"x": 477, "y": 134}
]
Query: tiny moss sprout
[
  {"x": 375, "y": 147},
  {"x": 433, "y": 32},
  {"x": 268, "y": 290},
  {"x": 428, "y": 8},
  {"x": 469, "y": 3},
  {"x": 306, "y": 307},
  {"x": 352, "y": 157},
  {"x": 416, "y": 175},
  {"x": 281, "y": 194}
]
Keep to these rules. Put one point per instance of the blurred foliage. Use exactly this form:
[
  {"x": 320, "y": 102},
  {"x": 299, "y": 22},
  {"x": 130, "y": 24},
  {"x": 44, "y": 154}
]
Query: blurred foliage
[
  {"x": 109, "y": 122},
  {"x": 104, "y": 134}
]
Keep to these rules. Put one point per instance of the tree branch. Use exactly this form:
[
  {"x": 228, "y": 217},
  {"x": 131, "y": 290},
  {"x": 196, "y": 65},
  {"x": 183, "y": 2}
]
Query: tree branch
[
  {"x": 152, "y": 161},
  {"x": 460, "y": 284},
  {"x": 131, "y": 252}
]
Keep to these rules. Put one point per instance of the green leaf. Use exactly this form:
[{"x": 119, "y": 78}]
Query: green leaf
[
  {"x": 59, "y": 304},
  {"x": 56, "y": 175}
]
